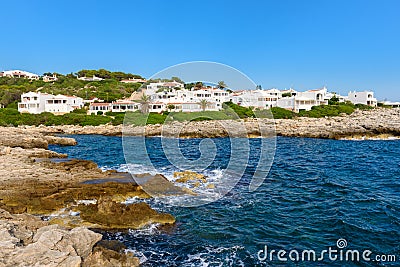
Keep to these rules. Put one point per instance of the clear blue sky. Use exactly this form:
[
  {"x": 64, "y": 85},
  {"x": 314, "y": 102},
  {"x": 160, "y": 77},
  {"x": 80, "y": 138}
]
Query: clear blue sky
[{"x": 344, "y": 44}]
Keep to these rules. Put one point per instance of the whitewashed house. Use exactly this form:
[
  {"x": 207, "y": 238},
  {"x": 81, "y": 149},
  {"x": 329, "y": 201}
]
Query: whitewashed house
[
  {"x": 366, "y": 98},
  {"x": 260, "y": 99},
  {"x": 152, "y": 88},
  {"x": 124, "y": 105},
  {"x": 99, "y": 108},
  {"x": 133, "y": 80},
  {"x": 19, "y": 74},
  {"x": 93, "y": 100},
  {"x": 90, "y": 79},
  {"x": 52, "y": 78},
  {"x": 62, "y": 104},
  {"x": 304, "y": 100},
  {"x": 33, "y": 102},
  {"x": 157, "y": 107},
  {"x": 341, "y": 98},
  {"x": 36, "y": 103}
]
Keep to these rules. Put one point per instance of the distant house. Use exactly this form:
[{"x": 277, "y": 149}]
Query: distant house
[
  {"x": 90, "y": 79},
  {"x": 133, "y": 80},
  {"x": 93, "y": 100},
  {"x": 152, "y": 88},
  {"x": 304, "y": 100},
  {"x": 33, "y": 102},
  {"x": 36, "y": 103},
  {"x": 96, "y": 108},
  {"x": 124, "y": 105},
  {"x": 62, "y": 104},
  {"x": 47, "y": 78},
  {"x": 19, "y": 74},
  {"x": 365, "y": 98},
  {"x": 390, "y": 104}
]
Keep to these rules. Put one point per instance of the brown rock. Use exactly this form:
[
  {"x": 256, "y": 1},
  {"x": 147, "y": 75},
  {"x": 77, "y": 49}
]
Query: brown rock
[{"x": 110, "y": 214}]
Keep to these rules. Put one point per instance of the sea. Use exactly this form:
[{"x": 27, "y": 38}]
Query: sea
[{"x": 322, "y": 203}]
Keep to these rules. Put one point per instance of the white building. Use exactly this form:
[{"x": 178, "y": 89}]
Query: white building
[
  {"x": 47, "y": 78},
  {"x": 124, "y": 105},
  {"x": 366, "y": 98},
  {"x": 36, "y": 103},
  {"x": 19, "y": 74},
  {"x": 133, "y": 80},
  {"x": 152, "y": 88},
  {"x": 33, "y": 102},
  {"x": 304, "y": 100},
  {"x": 90, "y": 79},
  {"x": 62, "y": 104},
  {"x": 97, "y": 108},
  {"x": 391, "y": 104},
  {"x": 260, "y": 99},
  {"x": 188, "y": 100}
]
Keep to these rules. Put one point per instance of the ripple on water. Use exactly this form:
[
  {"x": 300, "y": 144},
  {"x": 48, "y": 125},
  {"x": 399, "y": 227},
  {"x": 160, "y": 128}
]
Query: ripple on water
[{"x": 317, "y": 192}]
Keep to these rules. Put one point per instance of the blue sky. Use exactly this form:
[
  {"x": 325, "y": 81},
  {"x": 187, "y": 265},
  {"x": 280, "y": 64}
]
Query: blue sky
[{"x": 346, "y": 45}]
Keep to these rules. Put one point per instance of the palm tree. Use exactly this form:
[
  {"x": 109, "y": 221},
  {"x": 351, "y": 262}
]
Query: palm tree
[
  {"x": 203, "y": 104},
  {"x": 145, "y": 101},
  {"x": 222, "y": 85}
]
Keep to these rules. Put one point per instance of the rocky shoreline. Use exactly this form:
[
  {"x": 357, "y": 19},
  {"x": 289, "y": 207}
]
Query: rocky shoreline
[
  {"x": 47, "y": 206},
  {"x": 48, "y": 203},
  {"x": 376, "y": 123}
]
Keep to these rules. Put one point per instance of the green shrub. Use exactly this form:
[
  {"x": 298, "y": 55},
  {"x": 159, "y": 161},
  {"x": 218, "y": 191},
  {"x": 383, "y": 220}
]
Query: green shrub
[
  {"x": 327, "y": 111},
  {"x": 242, "y": 112},
  {"x": 362, "y": 106},
  {"x": 281, "y": 113},
  {"x": 13, "y": 105},
  {"x": 79, "y": 111},
  {"x": 9, "y": 111}
]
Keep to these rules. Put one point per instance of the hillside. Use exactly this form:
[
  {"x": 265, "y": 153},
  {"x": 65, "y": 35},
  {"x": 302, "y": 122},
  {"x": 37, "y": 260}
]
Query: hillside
[{"x": 108, "y": 89}]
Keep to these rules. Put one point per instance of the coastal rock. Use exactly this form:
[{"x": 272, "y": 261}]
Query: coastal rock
[
  {"x": 185, "y": 176},
  {"x": 159, "y": 185},
  {"x": 30, "y": 138},
  {"x": 62, "y": 141},
  {"x": 110, "y": 254},
  {"x": 50, "y": 245},
  {"x": 110, "y": 214}
]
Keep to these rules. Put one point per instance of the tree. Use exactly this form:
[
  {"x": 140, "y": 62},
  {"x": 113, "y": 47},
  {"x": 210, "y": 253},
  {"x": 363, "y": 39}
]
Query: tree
[
  {"x": 170, "y": 106},
  {"x": 222, "y": 85},
  {"x": 198, "y": 85},
  {"x": 334, "y": 100},
  {"x": 145, "y": 101},
  {"x": 287, "y": 94},
  {"x": 203, "y": 104},
  {"x": 189, "y": 86}
]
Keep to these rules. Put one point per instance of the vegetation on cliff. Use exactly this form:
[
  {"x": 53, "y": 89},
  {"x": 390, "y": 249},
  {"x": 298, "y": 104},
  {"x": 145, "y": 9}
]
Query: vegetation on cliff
[{"x": 108, "y": 89}]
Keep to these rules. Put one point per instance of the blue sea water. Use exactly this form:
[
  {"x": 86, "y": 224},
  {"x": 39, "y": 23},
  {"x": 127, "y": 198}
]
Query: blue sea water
[{"x": 317, "y": 192}]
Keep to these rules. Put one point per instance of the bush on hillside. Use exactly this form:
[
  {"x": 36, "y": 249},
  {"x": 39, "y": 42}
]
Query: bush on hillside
[{"x": 281, "y": 113}]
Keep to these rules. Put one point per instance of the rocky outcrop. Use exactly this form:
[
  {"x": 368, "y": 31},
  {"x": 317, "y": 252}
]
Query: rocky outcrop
[
  {"x": 31, "y": 181},
  {"x": 27, "y": 241},
  {"x": 19, "y": 137},
  {"x": 104, "y": 257},
  {"x": 110, "y": 214},
  {"x": 367, "y": 123},
  {"x": 185, "y": 176}
]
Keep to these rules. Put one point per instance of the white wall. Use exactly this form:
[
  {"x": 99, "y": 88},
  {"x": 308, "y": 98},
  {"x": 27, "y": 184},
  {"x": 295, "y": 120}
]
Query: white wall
[{"x": 366, "y": 98}]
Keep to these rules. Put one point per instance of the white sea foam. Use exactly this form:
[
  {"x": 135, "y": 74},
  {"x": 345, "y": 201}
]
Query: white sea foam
[
  {"x": 87, "y": 201},
  {"x": 208, "y": 191},
  {"x": 216, "y": 256}
]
